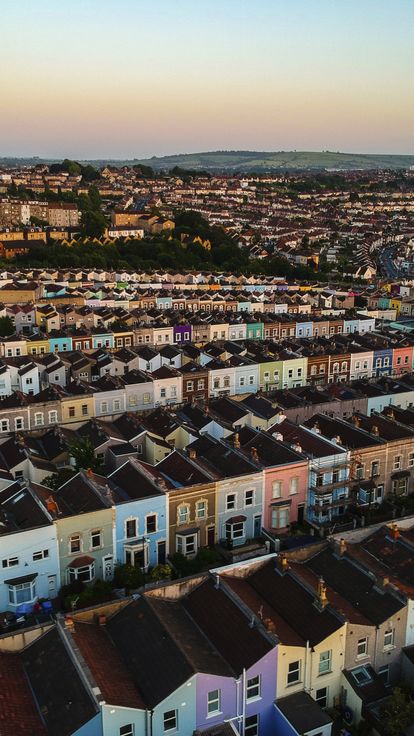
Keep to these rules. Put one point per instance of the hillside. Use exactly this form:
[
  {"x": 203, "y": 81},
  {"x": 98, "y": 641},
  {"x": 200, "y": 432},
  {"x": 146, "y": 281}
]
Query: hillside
[
  {"x": 280, "y": 160},
  {"x": 251, "y": 161}
]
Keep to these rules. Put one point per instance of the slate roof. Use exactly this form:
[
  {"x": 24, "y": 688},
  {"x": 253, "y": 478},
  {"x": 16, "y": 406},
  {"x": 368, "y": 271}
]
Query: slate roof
[
  {"x": 294, "y": 603},
  {"x": 355, "y": 586},
  {"x": 154, "y": 660},
  {"x": 351, "y": 436},
  {"x": 271, "y": 452},
  {"x": 57, "y": 687},
  {"x": 19, "y": 510},
  {"x": 134, "y": 480},
  {"x": 179, "y": 470},
  {"x": 226, "y": 626},
  {"x": 311, "y": 443},
  {"x": 220, "y": 459},
  {"x": 303, "y": 712}
]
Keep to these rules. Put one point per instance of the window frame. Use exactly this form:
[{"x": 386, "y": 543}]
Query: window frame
[
  {"x": 297, "y": 670},
  {"x": 75, "y": 573},
  {"x": 229, "y": 507},
  {"x": 325, "y": 662},
  {"x": 391, "y": 644},
  {"x": 173, "y": 718},
  {"x": 214, "y": 701},
  {"x": 147, "y": 518},
  {"x": 13, "y": 590},
  {"x": 72, "y": 537},
  {"x": 94, "y": 533},
  {"x": 251, "y": 725},
  {"x": 254, "y": 684}
]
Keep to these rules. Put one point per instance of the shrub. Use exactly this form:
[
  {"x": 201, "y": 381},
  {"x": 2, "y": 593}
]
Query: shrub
[{"x": 128, "y": 576}]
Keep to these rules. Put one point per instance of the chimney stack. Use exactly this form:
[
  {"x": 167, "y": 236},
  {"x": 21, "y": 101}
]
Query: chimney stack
[
  {"x": 236, "y": 441},
  {"x": 192, "y": 454},
  {"x": 375, "y": 430},
  {"x": 342, "y": 547},
  {"x": 254, "y": 454},
  {"x": 321, "y": 597},
  {"x": 282, "y": 563},
  {"x": 394, "y": 531}
]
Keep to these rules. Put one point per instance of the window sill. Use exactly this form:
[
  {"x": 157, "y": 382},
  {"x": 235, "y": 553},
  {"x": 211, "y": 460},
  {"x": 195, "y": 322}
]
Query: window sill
[
  {"x": 359, "y": 657},
  {"x": 389, "y": 648},
  {"x": 253, "y": 700},
  {"x": 214, "y": 715},
  {"x": 292, "y": 684}
]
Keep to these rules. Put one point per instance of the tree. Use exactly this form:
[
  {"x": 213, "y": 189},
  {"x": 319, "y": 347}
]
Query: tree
[
  {"x": 398, "y": 712},
  {"x": 82, "y": 452},
  {"x": 94, "y": 198},
  {"x": 58, "y": 479},
  {"x": 6, "y": 327},
  {"x": 93, "y": 224}
]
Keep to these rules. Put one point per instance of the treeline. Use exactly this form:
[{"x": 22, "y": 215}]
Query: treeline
[{"x": 175, "y": 250}]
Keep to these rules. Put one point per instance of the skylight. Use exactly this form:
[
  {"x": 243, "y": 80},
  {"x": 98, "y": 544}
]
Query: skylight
[{"x": 361, "y": 676}]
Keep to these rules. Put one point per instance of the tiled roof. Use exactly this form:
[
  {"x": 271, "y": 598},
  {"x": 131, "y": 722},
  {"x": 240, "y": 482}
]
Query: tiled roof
[
  {"x": 18, "y": 713},
  {"x": 101, "y": 656}
]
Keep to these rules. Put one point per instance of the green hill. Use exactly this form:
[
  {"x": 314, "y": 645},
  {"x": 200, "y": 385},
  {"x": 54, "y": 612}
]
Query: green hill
[
  {"x": 279, "y": 160},
  {"x": 252, "y": 161}
]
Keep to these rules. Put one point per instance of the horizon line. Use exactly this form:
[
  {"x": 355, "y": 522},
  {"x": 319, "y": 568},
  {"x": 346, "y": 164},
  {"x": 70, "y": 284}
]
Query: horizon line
[{"x": 148, "y": 157}]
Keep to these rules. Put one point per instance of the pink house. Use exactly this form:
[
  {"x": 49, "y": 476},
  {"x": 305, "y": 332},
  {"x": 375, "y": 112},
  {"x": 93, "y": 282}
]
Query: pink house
[
  {"x": 402, "y": 359},
  {"x": 285, "y": 477}
]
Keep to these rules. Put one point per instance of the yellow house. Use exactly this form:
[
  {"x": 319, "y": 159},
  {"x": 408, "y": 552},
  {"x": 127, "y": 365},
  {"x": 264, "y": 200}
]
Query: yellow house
[
  {"x": 77, "y": 408},
  {"x": 311, "y": 635},
  {"x": 395, "y": 303},
  {"x": 38, "y": 345}
]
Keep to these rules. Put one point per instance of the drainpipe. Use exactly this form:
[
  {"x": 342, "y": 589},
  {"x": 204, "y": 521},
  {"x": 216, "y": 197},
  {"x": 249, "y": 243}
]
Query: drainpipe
[
  {"x": 237, "y": 682},
  {"x": 149, "y": 714},
  {"x": 243, "y": 723},
  {"x": 374, "y": 663},
  {"x": 305, "y": 674}
]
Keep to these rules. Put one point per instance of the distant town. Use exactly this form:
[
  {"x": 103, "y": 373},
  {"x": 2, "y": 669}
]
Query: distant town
[
  {"x": 206, "y": 451},
  {"x": 346, "y": 225}
]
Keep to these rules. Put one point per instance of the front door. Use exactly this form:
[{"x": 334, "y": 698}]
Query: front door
[
  {"x": 108, "y": 567},
  {"x": 51, "y": 582},
  {"x": 161, "y": 553},
  {"x": 257, "y": 526},
  {"x": 210, "y": 536},
  {"x": 301, "y": 514}
]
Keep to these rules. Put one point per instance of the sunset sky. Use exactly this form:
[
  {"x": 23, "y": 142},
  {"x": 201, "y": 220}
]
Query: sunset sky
[{"x": 128, "y": 78}]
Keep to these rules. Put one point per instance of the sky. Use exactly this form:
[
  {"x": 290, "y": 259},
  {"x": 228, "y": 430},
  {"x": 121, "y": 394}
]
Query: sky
[{"x": 135, "y": 78}]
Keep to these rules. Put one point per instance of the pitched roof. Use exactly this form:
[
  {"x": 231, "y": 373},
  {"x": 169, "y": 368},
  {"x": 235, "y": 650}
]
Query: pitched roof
[
  {"x": 57, "y": 687},
  {"x": 106, "y": 666},
  {"x": 18, "y": 712},
  {"x": 226, "y": 626},
  {"x": 154, "y": 660}
]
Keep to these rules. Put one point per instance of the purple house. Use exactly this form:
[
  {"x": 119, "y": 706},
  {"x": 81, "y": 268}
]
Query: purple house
[
  {"x": 182, "y": 333},
  {"x": 246, "y": 693}
]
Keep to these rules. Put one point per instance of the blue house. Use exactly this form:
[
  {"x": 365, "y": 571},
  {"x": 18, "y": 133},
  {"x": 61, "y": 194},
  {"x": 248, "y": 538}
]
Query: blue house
[
  {"x": 164, "y": 302},
  {"x": 29, "y": 550},
  {"x": 382, "y": 362},
  {"x": 141, "y": 516},
  {"x": 351, "y": 325},
  {"x": 102, "y": 338},
  {"x": 304, "y": 329},
  {"x": 59, "y": 342}
]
